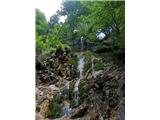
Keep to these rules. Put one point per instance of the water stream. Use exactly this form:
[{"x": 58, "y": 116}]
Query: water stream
[
  {"x": 82, "y": 44},
  {"x": 80, "y": 69},
  {"x": 66, "y": 107}
]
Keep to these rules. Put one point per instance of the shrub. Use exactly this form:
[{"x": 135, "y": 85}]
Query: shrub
[
  {"x": 83, "y": 91},
  {"x": 88, "y": 56},
  {"x": 73, "y": 61},
  {"x": 103, "y": 49},
  {"x": 98, "y": 66},
  {"x": 71, "y": 91},
  {"x": 87, "y": 65},
  {"x": 54, "y": 107}
]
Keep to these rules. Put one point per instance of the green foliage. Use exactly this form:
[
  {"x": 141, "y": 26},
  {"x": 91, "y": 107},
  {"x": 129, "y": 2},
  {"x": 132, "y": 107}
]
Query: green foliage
[
  {"x": 83, "y": 91},
  {"x": 72, "y": 103},
  {"x": 84, "y": 18},
  {"x": 102, "y": 48},
  {"x": 98, "y": 66},
  {"x": 73, "y": 28},
  {"x": 49, "y": 44},
  {"x": 88, "y": 56},
  {"x": 45, "y": 44},
  {"x": 47, "y": 38},
  {"x": 73, "y": 61},
  {"x": 71, "y": 91},
  {"x": 117, "y": 54},
  {"x": 87, "y": 66},
  {"x": 72, "y": 88},
  {"x": 106, "y": 14},
  {"x": 41, "y": 23},
  {"x": 55, "y": 109}
]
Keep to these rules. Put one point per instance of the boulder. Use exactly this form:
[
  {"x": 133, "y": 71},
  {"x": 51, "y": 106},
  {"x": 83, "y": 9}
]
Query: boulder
[{"x": 54, "y": 88}]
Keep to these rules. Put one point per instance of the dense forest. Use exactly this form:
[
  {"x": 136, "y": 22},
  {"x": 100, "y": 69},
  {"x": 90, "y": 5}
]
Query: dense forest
[{"x": 80, "y": 62}]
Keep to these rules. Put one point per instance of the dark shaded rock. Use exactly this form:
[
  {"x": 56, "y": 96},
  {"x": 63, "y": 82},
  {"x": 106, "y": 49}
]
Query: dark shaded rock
[
  {"x": 39, "y": 65},
  {"x": 106, "y": 92},
  {"x": 55, "y": 68},
  {"x": 80, "y": 112}
]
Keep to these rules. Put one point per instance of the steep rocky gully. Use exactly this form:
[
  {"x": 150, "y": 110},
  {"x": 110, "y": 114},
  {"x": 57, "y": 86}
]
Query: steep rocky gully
[{"x": 101, "y": 90}]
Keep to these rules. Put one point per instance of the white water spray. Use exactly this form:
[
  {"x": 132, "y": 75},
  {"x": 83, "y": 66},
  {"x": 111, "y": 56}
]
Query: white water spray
[
  {"x": 80, "y": 68},
  {"x": 81, "y": 43}
]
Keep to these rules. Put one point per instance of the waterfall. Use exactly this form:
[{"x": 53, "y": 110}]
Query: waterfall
[
  {"x": 67, "y": 89},
  {"x": 81, "y": 43},
  {"x": 80, "y": 69}
]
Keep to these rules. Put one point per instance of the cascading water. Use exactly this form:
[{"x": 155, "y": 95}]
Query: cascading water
[
  {"x": 80, "y": 68},
  {"x": 81, "y": 43},
  {"x": 67, "y": 89}
]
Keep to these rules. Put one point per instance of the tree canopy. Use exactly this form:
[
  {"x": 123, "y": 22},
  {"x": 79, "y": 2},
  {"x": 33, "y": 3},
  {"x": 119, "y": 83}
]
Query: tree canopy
[{"x": 84, "y": 18}]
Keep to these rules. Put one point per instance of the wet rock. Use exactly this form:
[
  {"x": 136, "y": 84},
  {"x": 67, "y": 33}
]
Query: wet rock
[{"x": 66, "y": 108}]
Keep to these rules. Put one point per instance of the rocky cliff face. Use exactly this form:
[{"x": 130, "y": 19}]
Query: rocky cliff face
[
  {"x": 51, "y": 76},
  {"x": 107, "y": 93},
  {"x": 101, "y": 98},
  {"x": 55, "y": 68}
]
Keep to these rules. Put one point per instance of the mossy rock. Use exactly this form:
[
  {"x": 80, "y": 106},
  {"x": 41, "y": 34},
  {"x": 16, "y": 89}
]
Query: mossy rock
[
  {"x": 83, "y": 91},
  {"x": 73, "y": 61},
  {"x": 98, "y": 66},
  {"x": 88, "y": 56},
  {"x": 87, "y": 66},
  {"x": 71, "y": 91},
  {"x": 72, "y": 103}
]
